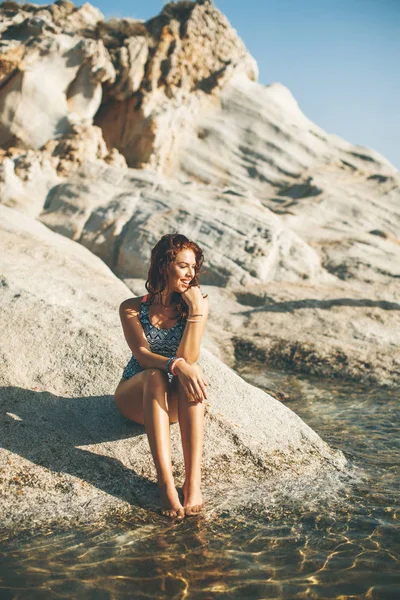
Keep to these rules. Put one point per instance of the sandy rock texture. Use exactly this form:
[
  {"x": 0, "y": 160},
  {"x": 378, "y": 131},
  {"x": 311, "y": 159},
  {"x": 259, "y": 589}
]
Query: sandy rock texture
[
  {"x": 67, "y": 455},
  {"x": 143, "y": 84},
  {"x": 171, "y": 70},
  {"x": 52, "y": 74},
  {"x": 120, "y": 214}
]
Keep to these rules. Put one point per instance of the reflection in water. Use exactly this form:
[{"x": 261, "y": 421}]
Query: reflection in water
[{"x": 347, "y": 548}]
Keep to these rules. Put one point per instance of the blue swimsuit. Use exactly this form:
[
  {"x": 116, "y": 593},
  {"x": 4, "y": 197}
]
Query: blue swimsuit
[{"x": 161, "y": 341}]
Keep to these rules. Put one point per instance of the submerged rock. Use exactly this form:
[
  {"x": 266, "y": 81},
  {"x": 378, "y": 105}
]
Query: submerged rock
[{"x": 67, "y": 455}]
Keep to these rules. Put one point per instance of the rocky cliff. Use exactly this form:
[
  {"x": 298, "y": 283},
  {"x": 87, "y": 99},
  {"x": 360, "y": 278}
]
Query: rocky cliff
[{"x": 113, "y": 132}]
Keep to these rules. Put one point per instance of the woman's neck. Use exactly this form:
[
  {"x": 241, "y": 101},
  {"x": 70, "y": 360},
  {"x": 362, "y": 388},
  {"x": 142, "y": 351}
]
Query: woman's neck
[{"x": 164, "y": 299}]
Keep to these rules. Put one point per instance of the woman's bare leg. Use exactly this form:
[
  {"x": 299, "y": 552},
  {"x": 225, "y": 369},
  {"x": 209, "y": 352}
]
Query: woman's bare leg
[
  {"x": 144, "y": 399},
  {"x": 191, "y": 423},
  {"x": 156, "y": 421},
  {"x": 129, "y": 399}
]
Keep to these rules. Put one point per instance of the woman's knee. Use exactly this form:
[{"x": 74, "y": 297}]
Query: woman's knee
[{"x": 154, "y": 377}]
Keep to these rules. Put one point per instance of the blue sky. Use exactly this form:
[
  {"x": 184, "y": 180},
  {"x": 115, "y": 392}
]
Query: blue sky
[{"x": 339, "y": 58}]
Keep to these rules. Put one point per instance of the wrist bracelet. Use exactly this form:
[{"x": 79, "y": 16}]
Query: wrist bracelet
[
  {"x": 168, "y": 364},
  {"x": 195, "y": 315},
  {"x": 174, "y": 364}
]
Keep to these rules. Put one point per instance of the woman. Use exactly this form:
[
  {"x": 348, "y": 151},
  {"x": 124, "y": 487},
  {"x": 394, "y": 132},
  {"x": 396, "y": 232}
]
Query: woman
[{"x": 162, "y": 383}]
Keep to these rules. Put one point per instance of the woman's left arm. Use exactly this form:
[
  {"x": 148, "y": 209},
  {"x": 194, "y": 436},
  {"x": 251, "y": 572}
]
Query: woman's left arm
[{"x": 189, "y": 346}]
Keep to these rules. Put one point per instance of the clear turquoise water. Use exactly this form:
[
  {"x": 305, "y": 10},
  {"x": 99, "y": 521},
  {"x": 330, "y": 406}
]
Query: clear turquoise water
[{"x": 347, "y": 549}]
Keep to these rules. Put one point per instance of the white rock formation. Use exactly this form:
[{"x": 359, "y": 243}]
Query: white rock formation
[
  {"x": 114, "y": 133},
  {"x": 54, "y": 75},
  {"x": 104, "y": 209},
  {"x": 234, "y": 164},
  {"x": 67, "y": 455}
]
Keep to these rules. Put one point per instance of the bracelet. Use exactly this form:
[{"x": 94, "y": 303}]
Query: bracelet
[
  {"x": 195, "y": 315},
  {"x": 193, "y": 320},
  {"x": 168, "y": 363},
  {"x": 174, "y": 363}
]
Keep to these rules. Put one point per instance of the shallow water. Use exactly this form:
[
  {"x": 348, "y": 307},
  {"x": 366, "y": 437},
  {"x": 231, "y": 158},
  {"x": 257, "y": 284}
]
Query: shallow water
[{"x": 347, "y": 548}]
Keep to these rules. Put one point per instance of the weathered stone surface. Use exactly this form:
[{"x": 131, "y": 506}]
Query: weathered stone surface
[
  {"x": 259, "y": 139},
  {"x": 52, "y": 74},
  {"x": 268, "y": 194},
  {"x": 157, "y": 77},
  {"x": 106, "y": 216},
  {"x": 26, "y": 177},
  {"x": 171, "y": 70},
  {"x": 67, "y": 454},
  {"x": 341, "y": 330}
]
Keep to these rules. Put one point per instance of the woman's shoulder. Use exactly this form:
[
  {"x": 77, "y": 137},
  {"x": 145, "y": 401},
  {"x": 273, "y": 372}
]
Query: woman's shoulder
[{"x": 133, "y": 303}]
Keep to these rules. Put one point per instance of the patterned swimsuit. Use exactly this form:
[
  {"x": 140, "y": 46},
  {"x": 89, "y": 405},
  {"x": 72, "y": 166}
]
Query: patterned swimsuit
[{"x": 161, "y": 341}]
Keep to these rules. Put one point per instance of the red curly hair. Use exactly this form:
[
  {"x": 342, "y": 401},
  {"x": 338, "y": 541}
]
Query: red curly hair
[{"x": 164, "y": 253}]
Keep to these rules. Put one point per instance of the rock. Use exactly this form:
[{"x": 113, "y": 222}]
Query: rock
[
  {"x": 258, "y": 139},
  {"x": 171, "y": 70},
  {"x": 26, "y": 177},
  {"x": 158, "y": 76},
  {"x": 105, "y": 218},
  {"x": 68, "y": 457},
  {"x": 333, "y": 330},
  {"x": 85, "y": 143},
  {"x": 276, "y": 202},
  {"x": 52, "y": 74}
]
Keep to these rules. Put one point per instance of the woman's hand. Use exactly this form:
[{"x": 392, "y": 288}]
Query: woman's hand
[
  {"x": 193, "y": 296},
  {"x": 191, "y": 378}
]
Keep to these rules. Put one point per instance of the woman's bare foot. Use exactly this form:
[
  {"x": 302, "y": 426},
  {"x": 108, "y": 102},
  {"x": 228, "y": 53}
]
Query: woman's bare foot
[
  {"x": 193, "y": 501},
  {"x": 170, "y": 504}
]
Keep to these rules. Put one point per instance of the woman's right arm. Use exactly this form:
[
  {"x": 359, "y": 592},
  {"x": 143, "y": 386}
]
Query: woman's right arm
[{"x": 129, "y": 311}]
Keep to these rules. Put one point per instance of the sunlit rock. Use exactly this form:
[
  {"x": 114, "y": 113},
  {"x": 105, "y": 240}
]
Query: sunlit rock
[{"x": 67, "y": 454}]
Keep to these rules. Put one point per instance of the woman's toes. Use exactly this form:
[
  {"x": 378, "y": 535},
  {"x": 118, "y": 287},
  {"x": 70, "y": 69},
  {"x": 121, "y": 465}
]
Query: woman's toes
[
  {"x": 194, "y": 510},
  {"x": 171, "y": 513}
]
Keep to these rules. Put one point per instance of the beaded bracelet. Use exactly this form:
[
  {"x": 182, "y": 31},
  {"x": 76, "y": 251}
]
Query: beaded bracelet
[{"x": 168, "y": 363}]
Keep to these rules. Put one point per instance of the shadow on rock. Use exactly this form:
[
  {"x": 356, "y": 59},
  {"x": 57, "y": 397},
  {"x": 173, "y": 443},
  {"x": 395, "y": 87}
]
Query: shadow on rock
[{"x": 46, "y": 430}]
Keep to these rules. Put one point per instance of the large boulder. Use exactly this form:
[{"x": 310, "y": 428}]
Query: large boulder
[
  {"x": 67, "y": 455},
  {"x": 119, "y": 215}
]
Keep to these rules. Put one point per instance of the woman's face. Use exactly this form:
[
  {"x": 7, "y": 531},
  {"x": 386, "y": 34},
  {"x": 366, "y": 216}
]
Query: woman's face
[{"x": 182, "y": 270}]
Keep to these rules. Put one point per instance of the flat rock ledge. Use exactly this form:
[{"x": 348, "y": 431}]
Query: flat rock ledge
[{"x": 67, "y": 456}]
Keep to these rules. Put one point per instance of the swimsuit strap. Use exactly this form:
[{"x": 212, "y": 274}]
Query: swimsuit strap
[{"x": 145, "y": 298}]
